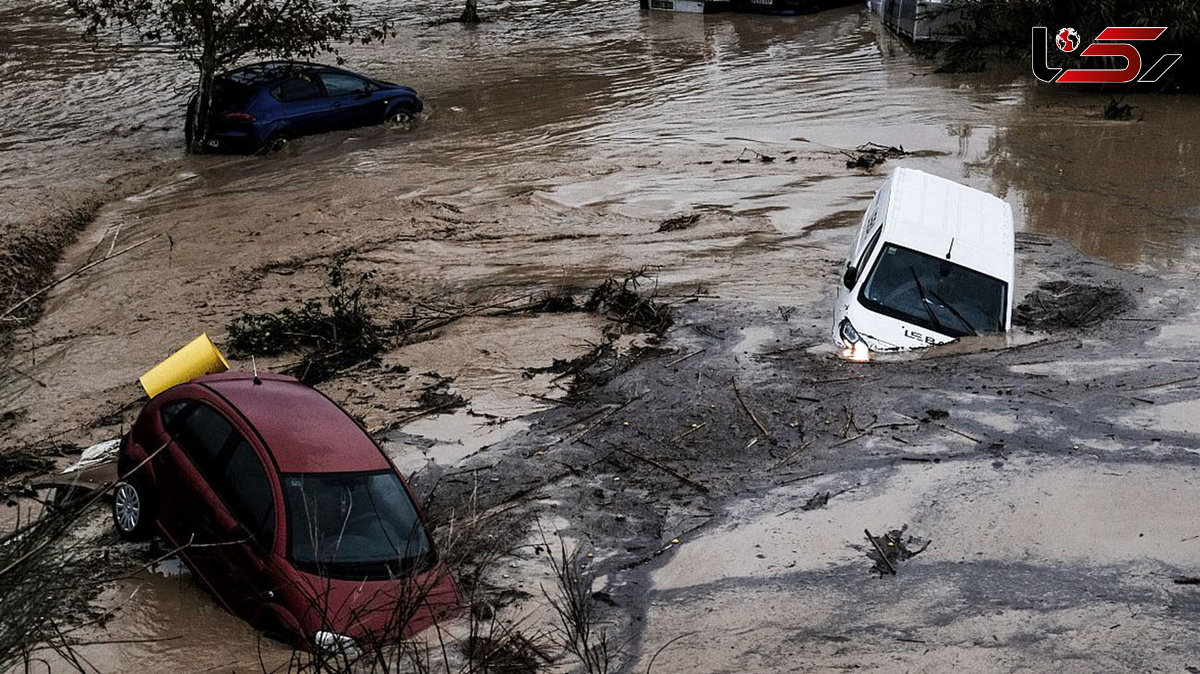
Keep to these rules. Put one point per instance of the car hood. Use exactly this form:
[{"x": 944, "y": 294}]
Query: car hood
[{"x": 374, "y": 611}]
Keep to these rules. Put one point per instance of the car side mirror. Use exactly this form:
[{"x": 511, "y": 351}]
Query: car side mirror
[{"x": 850, "y": 278}]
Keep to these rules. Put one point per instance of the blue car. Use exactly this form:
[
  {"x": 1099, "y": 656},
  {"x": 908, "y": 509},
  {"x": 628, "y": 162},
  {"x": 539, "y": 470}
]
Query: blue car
[{"x": 262, "y": 106}]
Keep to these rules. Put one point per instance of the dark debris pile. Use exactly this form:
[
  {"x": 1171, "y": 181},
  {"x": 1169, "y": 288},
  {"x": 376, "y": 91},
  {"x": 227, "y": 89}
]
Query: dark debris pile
[
  {"x": 1057, "y": 305},
  {"x": 895, "y": 547}
]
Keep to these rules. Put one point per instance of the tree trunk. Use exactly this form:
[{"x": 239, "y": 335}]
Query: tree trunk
[
  {"x": 469, "y": 14},
  {"x": 199, "y": 113}
]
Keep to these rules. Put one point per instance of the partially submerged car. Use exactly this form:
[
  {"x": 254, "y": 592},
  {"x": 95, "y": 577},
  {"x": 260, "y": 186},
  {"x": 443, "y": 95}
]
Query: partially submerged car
[
  {"x": 284, "y": 508},
  {"x": 932, "y": 262},
  {"x": 262, "y": 106}
]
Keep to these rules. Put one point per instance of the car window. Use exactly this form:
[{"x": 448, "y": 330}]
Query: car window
[
  {"x": 173, "y": 411},
  {"x": 246, "y": 490},
  {"x": 297, "y": 88},
  {"x": 341, "y": 84},
  {"x": 202, "y": 434}
]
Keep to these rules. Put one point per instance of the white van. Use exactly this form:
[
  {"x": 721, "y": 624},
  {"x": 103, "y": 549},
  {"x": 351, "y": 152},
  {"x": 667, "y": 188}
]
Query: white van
[{"x": 932, "y": 262}]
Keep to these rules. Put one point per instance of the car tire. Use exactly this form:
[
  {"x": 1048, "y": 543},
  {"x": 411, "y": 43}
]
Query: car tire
[
  {"x": 132, "y": 509},
  {"x": 401, "y": 118},
  {"x": 278, "y": 142}
]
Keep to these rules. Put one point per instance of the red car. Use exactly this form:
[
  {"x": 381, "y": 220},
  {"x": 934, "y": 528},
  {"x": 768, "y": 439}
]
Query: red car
[{"x": 285, "y": 509}]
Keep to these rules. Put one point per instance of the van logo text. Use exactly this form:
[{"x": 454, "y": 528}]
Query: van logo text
[{"x": 919, "y": 337}]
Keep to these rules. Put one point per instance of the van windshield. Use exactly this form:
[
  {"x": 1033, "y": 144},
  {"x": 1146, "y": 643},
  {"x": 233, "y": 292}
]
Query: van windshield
[
  {"x": 353, "y": 525},
  {"x": 934, "y": 293}
]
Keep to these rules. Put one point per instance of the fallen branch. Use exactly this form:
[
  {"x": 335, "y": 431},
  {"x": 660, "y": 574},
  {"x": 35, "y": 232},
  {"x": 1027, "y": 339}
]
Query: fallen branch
[
  {"x": 749, "y": 411},
  {"x": 75, "y": 273}
]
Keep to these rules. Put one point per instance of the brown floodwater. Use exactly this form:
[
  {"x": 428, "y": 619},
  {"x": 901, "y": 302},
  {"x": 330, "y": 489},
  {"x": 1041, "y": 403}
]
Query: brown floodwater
[{"x": 557, "y": 136}]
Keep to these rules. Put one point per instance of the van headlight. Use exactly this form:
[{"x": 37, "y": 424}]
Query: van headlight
[
  {"x": 855, "y": 348},
  {"x": 336, "y": 644}
]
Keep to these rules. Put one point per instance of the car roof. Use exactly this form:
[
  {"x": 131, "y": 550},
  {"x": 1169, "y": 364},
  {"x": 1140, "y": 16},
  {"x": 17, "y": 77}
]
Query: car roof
[
  {"x": 303, "y": 430},
  {"x": 266, "y": 72},
  {"x": 928, "y": 213}
]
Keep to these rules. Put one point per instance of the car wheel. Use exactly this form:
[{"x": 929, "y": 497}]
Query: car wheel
[
  {"x": 276, "y": 143},
  {"x": 402, "y": 119},
  {"x": 131, "y": 510}
]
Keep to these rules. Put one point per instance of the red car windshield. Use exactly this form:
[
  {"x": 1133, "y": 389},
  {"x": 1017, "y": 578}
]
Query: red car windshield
[{"x": 354, "y": 525}]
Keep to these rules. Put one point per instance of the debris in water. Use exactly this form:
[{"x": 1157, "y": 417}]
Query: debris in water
[
  {"x": 1055, "y": 305},
  {"x": 892, "y": 548},
  {"x": 1117, "y": 110},
  {"x": 870, "y": 155},
  {"x": 625, "y": 303},
  {"x": 754, "y": 155},
  {"x": 679, "y": 222}
]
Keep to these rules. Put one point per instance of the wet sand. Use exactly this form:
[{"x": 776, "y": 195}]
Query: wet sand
[{"x": 555, "y": 144}]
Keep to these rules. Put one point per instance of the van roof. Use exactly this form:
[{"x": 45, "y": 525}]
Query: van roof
[{"x": 928, "y": 213}]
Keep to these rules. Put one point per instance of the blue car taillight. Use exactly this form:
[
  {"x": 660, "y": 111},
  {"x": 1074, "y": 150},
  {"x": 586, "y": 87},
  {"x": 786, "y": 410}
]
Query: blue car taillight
[{"x": 239, "y": 118}]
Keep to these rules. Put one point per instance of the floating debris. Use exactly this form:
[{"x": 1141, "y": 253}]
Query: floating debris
[{"x": 679, "y": 222}]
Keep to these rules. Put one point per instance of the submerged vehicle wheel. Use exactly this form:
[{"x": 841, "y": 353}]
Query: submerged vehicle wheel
[
  {"x": 276, "y": 143},
  {"x": 402, "y": 119},
  {"x": 131, "y": 510}
]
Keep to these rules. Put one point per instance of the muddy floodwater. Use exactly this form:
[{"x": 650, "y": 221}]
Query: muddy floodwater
[{"x": 557, "y": 138}]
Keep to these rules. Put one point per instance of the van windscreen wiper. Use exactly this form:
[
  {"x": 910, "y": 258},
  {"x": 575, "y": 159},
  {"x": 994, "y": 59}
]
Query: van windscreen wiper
[
  {"x": 925, "y": 299},
  {"x": 967, "y": 324}
]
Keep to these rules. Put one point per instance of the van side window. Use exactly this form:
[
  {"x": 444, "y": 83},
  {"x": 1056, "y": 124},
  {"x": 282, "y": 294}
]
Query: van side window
[
  {"x": 867, "y": 252},
  {"x": 246, "y": 490}
]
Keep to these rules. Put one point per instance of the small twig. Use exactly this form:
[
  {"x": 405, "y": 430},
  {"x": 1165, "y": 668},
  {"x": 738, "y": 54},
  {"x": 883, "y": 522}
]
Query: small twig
[
  {"x": 666, "y": 469},
  {"x": 878, "y": 549},
  {"x": 603, "y": 417},
  {"x": 680, "y": 360},
  {"x": 664, "y": 647},
  {"x": 793, "y": 455},
  {"x": 688, "y": 432},
  {"x": 749, "y": 411},
  {"x": 1165, "y": 383},
  {"x": 26, "y": 375}
]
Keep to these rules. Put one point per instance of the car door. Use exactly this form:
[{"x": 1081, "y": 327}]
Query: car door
[
  {"x": 350, "y": 101},
  {"x": 304, "y": 108},
  {"x": 191, "y": 475},
  {"x": 248, "y": 517}
]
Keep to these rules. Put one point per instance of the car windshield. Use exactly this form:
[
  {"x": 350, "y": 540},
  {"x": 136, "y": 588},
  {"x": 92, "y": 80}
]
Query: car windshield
[
  {"x": 934, "y": 293},
  {"x": 353, "y": 524}
]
